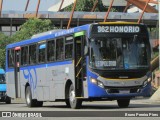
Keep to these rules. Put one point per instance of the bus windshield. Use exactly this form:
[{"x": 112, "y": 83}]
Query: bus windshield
[
  {"x": 2, "y": 79},
  {"x": 118, "y": 53}
]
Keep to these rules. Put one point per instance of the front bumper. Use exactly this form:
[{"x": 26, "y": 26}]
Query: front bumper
[{"x": 96, "y": 91}]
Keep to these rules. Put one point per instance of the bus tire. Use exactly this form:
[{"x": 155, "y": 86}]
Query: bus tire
[
  {"x": 123, "y": 103},
  {"x": 8, "y": 100},
  {"x": 67, "y": 103},
  {"x": 74, "y": 102},
  {"x": 28, "y": 95}
]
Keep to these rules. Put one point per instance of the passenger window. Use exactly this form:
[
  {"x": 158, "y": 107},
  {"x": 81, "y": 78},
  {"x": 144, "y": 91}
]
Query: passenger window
[
  {"x": 10, "y": 58},
  {"x": 68, "y": 47},
  {"x": 68, "y": 51},
  {"x": 51, "y": 51},
  {"x": 24, "y": 56},
  {"x": 32, "y": 54},
  {"x": 60, "y": 49},
  {"x": 41, "y": 52}
]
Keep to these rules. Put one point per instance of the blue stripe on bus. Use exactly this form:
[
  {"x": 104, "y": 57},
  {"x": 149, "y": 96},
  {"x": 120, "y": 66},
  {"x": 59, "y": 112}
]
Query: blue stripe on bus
[
  {"x": 2, "y": 87},
  {"x": 10, "y": 70},
  {"x": 43, "y": 65}
]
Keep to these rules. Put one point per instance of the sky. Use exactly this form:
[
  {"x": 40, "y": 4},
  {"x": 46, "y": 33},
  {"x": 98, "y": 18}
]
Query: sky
[{"x": 19, "y": 5}]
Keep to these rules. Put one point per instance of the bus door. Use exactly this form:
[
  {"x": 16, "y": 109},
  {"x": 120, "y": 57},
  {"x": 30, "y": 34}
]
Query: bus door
[
  {"x": 17, "y": 71},
  {"x": 79, "y": 39}
]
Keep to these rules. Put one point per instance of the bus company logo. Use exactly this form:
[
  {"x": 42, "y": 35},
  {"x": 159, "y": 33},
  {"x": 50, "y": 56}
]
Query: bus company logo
[{"x": 6, "y": 114}]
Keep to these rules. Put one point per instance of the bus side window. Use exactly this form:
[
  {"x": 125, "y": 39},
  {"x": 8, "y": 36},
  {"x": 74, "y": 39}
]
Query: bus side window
[
  {"x": 24, "y": 56},
  {"x": 10, "y": 58},
  {"x": 51, "y": 51},
  {"x": 32, "y": 54},
  {"x": 41, "y": 52},
  {"x": 60, "y": 49},
  {"x": 68, "y": 51},
  {"x": 68, "y": 47}
]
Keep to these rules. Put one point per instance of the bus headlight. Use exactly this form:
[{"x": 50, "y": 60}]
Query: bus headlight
[
  {"x": 94, "y": 81},
  {"x": 147, "y": 81},
  {"x": 97, "y": 82},
  {"x": 100, "y": 84}
]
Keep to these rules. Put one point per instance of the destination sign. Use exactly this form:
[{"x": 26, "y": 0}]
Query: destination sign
[{"x": 116, "y": 29}]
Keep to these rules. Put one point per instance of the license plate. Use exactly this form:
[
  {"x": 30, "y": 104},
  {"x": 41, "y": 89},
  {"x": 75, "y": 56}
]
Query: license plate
[{"x": 124, "y": 91}]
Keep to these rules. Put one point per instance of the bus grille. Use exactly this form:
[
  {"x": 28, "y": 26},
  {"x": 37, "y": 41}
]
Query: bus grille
[{"x": 117, "y": 90}]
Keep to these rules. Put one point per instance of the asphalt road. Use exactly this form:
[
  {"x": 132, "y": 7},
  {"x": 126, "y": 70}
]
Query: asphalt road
[{"x": 89, "y": 110}]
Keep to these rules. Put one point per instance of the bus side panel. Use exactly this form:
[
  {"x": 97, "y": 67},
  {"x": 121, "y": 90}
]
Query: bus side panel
[
  {"x": 41, "y": 84},
  {"x": 47, "y": 82},
  {"x": 10, "y": 84},
  {"x": 57, "y": 75},
  {"x": 36, "y": 77},
  {"x": 25, "y": 76}
]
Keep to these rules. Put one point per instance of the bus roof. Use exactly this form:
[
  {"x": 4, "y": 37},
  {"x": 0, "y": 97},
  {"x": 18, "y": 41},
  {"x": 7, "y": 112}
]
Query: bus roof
[
  {"x": 50, "y": 35},
  {"x": 2, "y": 71},
  {"x": 58, "y": 33}
]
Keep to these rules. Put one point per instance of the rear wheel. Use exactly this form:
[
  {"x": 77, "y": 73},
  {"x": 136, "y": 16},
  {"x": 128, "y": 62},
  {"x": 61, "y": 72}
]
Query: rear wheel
[
  {"x": 74, "y": 102},
  {"x": 29, "y": 101},
  {"x": 123, "y": 103}
]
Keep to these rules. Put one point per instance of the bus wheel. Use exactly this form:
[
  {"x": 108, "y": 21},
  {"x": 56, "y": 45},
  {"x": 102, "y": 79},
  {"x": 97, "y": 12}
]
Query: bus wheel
[
  {"x": 29, "y": 101},
  {"x": 8, "y": 100},
  {"x": 74, "y": 102},
  {"x": 123, "y": 103},
  {"x": 67, "y": 103}
]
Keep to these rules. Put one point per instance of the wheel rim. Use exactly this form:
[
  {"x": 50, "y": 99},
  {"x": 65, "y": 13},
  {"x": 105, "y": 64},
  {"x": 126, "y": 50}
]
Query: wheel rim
[{"x": 72, "y": 96}]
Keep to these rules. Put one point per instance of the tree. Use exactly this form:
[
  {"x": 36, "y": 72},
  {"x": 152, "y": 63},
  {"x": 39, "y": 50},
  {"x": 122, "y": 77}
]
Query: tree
[
  {"x": 86, "y": 5},
  {"x": 28, "y": 29},
  {"x": 31, "y": 27},
  {"x": 4, "y": 40}
]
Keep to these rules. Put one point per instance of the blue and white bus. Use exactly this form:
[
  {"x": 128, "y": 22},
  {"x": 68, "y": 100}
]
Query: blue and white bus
[
  {"x": 3, "y": 94},
  {"x": 99, "y": 61}
]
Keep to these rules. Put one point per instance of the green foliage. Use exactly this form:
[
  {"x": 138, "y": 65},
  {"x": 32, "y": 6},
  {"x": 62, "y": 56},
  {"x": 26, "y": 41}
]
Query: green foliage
[
  {"x": 87, "y": 5},
  {"x": 4, "y": 40},
  {"x": 29, "y": 28}
]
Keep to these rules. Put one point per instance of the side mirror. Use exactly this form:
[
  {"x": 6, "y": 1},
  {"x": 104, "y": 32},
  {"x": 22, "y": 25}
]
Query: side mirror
[{"x": 85, "y": 50}]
